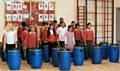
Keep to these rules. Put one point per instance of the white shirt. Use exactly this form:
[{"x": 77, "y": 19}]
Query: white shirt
[
  {"x": 10, "y": 37},
  {"x": 61, "y": 32},
  {"x": 51, "y": 32}
]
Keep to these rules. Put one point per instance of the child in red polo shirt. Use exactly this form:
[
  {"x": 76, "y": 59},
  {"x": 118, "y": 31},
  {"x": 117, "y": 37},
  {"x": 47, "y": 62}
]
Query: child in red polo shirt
[
  {"x": 43, "y": 35},
  {"x": 52, "y": 38},
  {"x": 32, "y": 39},
  {"x": 78, "y": 36},
  {"x": 25, "y": 37},
  {"x": 88, "y": 39}
]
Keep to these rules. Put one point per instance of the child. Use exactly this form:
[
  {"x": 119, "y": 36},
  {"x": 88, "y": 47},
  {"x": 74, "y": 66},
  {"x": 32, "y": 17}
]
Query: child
[
  {"x": 61, "y": 34},
  {"x": 25, "y": 37},
  {"x": 88, "y": 39},
  {"x": 69, "y": 40},
  {"x": 43, "y": 35},
  {"x": 52, "y": 38},
  {"x": 78, "y": 36},
  {"x": 10, "y": 38},
  {"x": 20, "y": 44},
  {"x": 73, "y": 24},
  {"x": 55, "y": 24},
  {"x": 32, "y": 39}
]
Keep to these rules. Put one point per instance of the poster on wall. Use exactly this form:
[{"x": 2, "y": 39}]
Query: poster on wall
[
  {"x": 8, "y": 6},
  {"x": 51, "y": 5},
  {"x": 40, "y": 17},
  {"x": 9, "y": 0},
  {"x": 51, "y": 17},
  {"x": 14, "y": 6},
  {"x": 45, "y": 6},
  {"x": 41, "y": 6},
  {"x": 45, "y": 17},
  {"x": 20, "y": 6},
  {"x": 14, "y": 17},
  {"x": 26, "y": 16},
  {"x": 8, "y": 17},
  {"x": 20, "y": 17}
]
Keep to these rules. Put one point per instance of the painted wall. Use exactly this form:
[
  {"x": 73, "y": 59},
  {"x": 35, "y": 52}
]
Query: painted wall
[
  {"x": 66, "y": 9},
  {"x": 1, "y": 19},
  {"x": 116, "y": 4}
]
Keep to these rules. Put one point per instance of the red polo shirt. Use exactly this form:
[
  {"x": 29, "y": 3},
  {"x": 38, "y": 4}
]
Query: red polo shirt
[
  {"x": 32, "y": 40},
  {"x": 78, "y": 34},
  {"x": 25, "y": 37},
  {"x": 88, "y": 35}
]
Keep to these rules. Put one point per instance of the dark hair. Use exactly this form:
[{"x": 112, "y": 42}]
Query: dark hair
[
  {"x": 55, "y": 21},
  {"x": 72, "y": 22},
  {"x": 88, "y": 24},
  {"x": 44, "y": 23},
  {"x": 61, "y": 18},
  {"x": 69, "y": 26},
  {"x": 23, "y": 24},
  {"x": 77, "y": 25},
  {"x": 48, "y": 33}
]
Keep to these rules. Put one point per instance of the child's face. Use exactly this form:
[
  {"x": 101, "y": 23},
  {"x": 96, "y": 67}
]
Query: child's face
[
  {"x": 32, "y": 29},
  {"x": 62, "y": 25},
  {"x": 51, "y": 27},
  {"x": 10, "y": 26},
  {"x": 89, "y": 26},
  {"x": 70, "y": 29}
]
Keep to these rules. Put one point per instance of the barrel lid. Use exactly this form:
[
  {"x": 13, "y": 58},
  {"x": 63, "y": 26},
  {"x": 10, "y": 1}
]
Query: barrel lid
[
  {"x": 114, "y": 45},
  {"x": 64, "y": 50},
  {"x": 55, "y": 48},
  {"x": 13, "y": 50},
  {"x": 35, "y": 50},
  {"x": 79, "y": 47}
]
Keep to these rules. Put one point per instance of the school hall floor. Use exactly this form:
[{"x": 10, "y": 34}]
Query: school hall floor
[{"x": 105, "y": 66}]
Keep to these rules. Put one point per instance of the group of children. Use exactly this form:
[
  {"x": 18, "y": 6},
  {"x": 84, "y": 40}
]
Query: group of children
[{"x": 33, "y": 36}]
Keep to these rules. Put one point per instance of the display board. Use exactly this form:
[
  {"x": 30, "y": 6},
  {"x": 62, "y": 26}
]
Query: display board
[{"x": 30, "y": 11}]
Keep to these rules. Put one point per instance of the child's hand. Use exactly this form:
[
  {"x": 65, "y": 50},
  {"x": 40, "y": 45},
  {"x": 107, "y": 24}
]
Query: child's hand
[{"x": 4, "y": 47}]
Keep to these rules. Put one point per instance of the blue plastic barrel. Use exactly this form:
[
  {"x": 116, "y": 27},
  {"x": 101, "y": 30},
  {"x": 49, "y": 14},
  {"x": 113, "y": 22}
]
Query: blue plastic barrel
[
  {"x": 55, "y": 52},
  {"x": 65, "y": 60},
  {"x": 45, "y": 53},
  {"x": 13, "y": 59},
  {"x": 36, "y": 58},
  {"x": 105, "y": 47},
  {"x": 114, "y": 53},
  {"x": 78, "y": 56},
  {"x": 96, "y": 55}
]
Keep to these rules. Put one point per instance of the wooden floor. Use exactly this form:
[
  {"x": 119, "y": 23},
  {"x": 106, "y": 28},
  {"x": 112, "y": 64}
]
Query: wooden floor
[{"x": 105, "y": 66}]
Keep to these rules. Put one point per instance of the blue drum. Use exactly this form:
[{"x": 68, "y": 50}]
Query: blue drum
[
  {"x": 78, "y": 56},
  {"x": 36, "y": 58},
  {"x": 96, "y": 55},
  {"x": 65, "y": 60},
  {"x": 105, "y": 47},
  {"x": 55, "y": 52},
  {"x": 13, "y": 59},
  {"x": 45, "y": 53},
  {"x": 114, "y": 53}
]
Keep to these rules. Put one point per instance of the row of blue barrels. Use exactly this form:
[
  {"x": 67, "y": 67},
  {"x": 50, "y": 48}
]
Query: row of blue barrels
[{"x": 62, "y": 58}]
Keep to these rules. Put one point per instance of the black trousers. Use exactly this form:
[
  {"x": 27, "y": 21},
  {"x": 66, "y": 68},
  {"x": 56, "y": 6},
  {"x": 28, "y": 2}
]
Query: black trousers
[
  {"x": 79, "y": 43},
  {"x": 21, "y": 48},
  {"x": 51, "y": 45},
  {"x": 89, "y": 45},
  {"x": 62, "y": 43},
  {"x": 10, "y": 47},
  {"x": 3, "y": 53}
]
